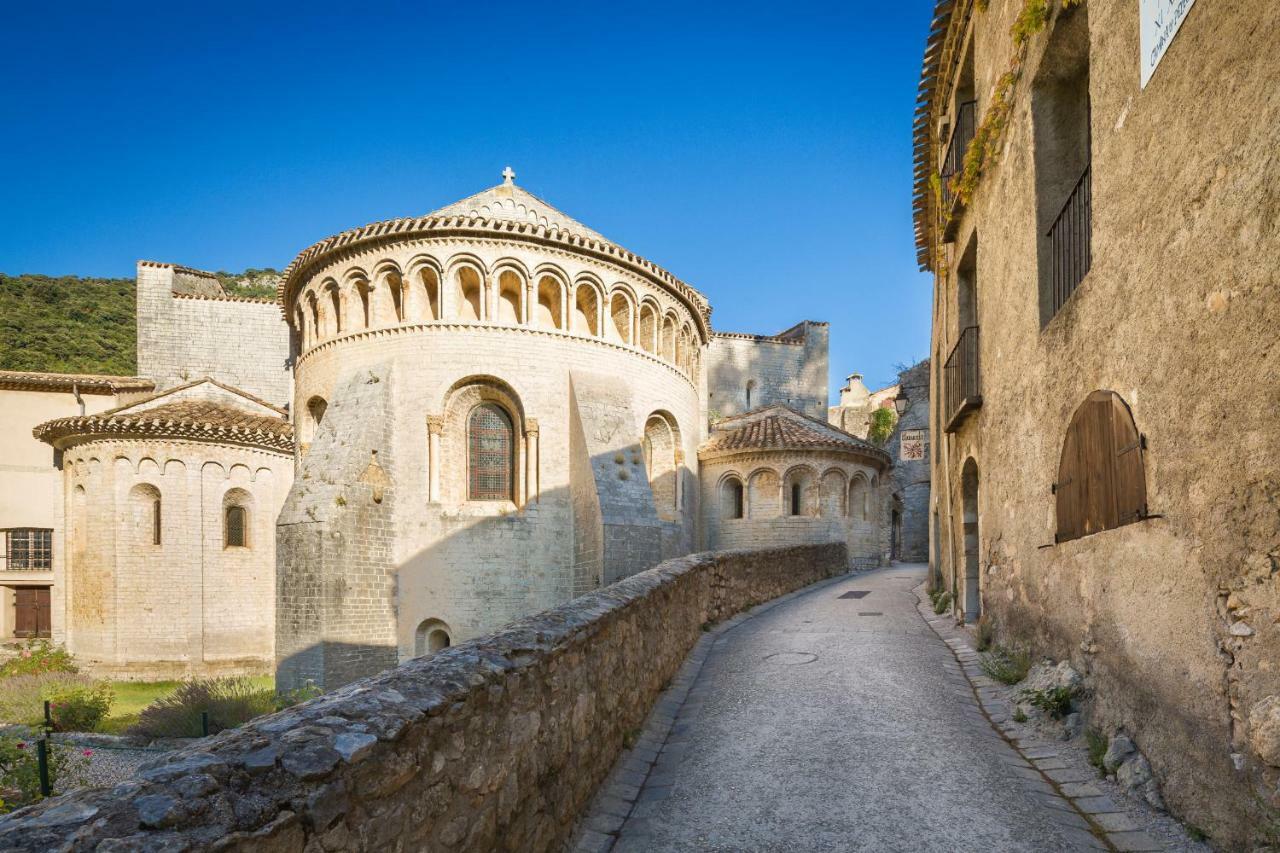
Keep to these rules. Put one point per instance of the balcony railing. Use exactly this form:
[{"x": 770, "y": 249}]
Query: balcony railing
[
  {"x": 953, "y": 160},
  {"x": 1070, "y": 252},
  {"x": 962, "y": 379}
]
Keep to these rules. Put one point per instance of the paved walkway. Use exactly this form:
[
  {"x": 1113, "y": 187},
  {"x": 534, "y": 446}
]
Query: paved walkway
[{"x": 831, "y": 719}]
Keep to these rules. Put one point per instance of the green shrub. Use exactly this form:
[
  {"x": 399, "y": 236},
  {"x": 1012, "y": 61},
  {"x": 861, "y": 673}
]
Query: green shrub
[
  {"x": 1019, "y": 715},
  {"x": 984, "y": 633},
  {"x": 1097, "y": 743},
  {"x": 883, "y": 420},
  {"x": 79, "y": 709},
  {"x": 20, "y": 773},
  {"x": 298, "y": 695},
  {"x": 38, "y": 657},
  {"x": 942, "y": 603},
  {"x": 230, "y": 702},
  {"x": 1005, "y": 666},
  {"x": 22, "y": 696},
  {"x": 1054, "y": 701}
]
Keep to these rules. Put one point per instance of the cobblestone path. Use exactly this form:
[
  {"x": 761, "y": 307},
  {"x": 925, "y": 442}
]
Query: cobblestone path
[{"x": 831, "y": 719}]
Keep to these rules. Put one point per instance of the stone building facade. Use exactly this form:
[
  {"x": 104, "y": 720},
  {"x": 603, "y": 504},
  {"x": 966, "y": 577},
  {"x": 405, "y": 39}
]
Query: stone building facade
[
  {"x": 774, "y": 475},
  {"x": 31, "y": 522},
  {"x": 909, "y": 447},
  {"x": 1104, "y": 379},
  {"x": 496, "y": 409},
  {"x": 852, "y": 413},
  {"x": 745, "y": 372},
  {"x": 495, "y": 319},
  {"x": 168, "y": 507}
]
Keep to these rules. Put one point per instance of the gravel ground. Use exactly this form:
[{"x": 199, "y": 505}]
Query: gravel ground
[
  {"x": 1158, "y": 824},
  {"x": 110, "y": 761}
]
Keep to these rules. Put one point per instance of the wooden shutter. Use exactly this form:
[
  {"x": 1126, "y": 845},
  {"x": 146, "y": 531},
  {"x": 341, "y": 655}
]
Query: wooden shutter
[
  {"x": 1130, "y": 474},
  {"x": 25, "y": 612},
  {"x": 1101, "y": 483}
]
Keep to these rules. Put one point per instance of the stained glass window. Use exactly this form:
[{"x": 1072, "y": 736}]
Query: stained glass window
[{"x": 490, "y": 445}]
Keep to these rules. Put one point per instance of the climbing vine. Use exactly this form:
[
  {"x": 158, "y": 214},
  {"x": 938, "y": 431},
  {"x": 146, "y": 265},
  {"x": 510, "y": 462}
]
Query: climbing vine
[{"x": 984, "y": 151}]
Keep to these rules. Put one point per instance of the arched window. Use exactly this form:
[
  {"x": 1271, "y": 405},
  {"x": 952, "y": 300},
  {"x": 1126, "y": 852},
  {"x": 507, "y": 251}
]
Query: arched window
[
  {"x": 335, "y": 303},
  {"x": 431, "y": 636},
  {"x": 470, "y": 296},
  {"x": 510, "y": 298},
  {"x": 587, "y": 304},
  {"x": 620, "y": 314},
  {"x": 146, "y": 511},
  {"x": 795, "y": 498},
  {"x": 731, "y": 498},
  {"x": 429, "y": 299},
  {"x": 751, "y": 387},
  {"x": 490, "y": 454},
  {"x": 648, "y": 329},
  {"x": 236, "y": 527},
  {"x": 550, "y": 312},
  {"x": 362, "y": 289},
  {"x": 1101, "y": 476},
  {"x": 800, "y": 492}
]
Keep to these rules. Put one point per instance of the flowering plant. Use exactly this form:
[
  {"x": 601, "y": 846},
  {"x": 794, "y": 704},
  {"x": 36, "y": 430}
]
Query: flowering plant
[{"x": 20, "y": 770}]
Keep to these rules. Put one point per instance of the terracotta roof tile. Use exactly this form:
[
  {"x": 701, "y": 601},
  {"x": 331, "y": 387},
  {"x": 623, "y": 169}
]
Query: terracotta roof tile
[
  {"x": 202, "y": 420},
  {"x": 91, "y": 383},
  {"x": 785, "y": 430}
]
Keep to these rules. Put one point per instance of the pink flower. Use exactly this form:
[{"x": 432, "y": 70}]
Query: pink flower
[
  {"x": 88, "y": 752},
  {"x": 22, "y": 746}
]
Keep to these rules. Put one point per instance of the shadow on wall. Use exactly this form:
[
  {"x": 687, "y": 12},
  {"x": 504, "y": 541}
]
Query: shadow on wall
[{"x": 487, "y": 564}]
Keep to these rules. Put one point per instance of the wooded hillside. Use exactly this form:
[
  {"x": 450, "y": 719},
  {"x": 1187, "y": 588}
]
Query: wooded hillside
[{"x": 67, "y": 324}]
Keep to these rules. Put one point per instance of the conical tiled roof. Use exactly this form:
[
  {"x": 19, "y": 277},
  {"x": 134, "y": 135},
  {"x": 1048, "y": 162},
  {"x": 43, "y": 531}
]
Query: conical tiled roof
[
  {"x": 779, "y": 427},
  {"x": 512, "y": 203}
]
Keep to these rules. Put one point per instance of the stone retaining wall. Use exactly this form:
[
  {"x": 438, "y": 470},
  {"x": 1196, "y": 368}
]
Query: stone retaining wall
[{"x": 494, "y": 744}]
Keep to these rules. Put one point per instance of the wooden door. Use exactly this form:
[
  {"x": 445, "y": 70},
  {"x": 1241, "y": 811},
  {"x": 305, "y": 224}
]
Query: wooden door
[{"x": 32, "y": 612}]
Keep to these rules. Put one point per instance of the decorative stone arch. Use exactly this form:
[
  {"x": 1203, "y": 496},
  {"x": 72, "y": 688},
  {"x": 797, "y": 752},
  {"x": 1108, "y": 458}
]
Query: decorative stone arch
[
  {"x": 621, "y": 326},
  {"x": 452, "y": 444},
  {"x": 763, "y": 493},
  {"x": 300, "y": 322},
  {"x": 331, "y": 294},
  {"x": 467, "y": 289},
  {"x": 587, "y": 301},
  {"x": 834, "y": 487},
  {"x": 733, "y": 496},
  {"x": 237, "y": 518},
  {"x": 662, "y": 458},
  {"x": 668, "y": 349},
  {"x": 550, "y": 305},
  {"x": 650, "y": 325},
  {"x": 431, "y": 636},
  {"x": 390, "y": 285},
  {"x": 308, "y": 421},
  {"x": 423, "y": 290},
  {"x": 511, "y": 289},
  {"x": 859, "y": 506},
  {"x": 313, "y": 316},
  {"x": 362, "y": 299},
  {"x": 800, "y": 491},
  {"x": 144, "y": 517}
]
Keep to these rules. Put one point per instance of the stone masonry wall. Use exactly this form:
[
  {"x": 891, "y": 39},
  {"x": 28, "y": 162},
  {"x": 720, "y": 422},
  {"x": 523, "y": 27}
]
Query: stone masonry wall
[
  {"x": 789, "y": 368},
  {"x": 494, "y": 744},
  {"x": 187, "y": 329},
  {"x": 911, "y": 476}
]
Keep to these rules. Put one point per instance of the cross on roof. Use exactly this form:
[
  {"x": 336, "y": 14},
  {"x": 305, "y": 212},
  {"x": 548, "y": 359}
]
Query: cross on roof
[{"x": 508, "y": 175}]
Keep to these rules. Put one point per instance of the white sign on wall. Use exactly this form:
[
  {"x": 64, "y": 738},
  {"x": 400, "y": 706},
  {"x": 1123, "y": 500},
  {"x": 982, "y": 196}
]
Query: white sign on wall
[
  {"x": 914, "y": 444},
  {"x": 1160, "y": 22}
]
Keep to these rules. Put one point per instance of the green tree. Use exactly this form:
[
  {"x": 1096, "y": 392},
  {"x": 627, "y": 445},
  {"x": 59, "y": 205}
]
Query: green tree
[{"x": 883, "y": 420}]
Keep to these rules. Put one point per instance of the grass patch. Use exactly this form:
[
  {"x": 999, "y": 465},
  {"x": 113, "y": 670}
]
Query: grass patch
[
  {"x": 941, "y": 601},
  {"x": 133, "y": 696},
  {"x": 1004, "y": 665},
  {"x": 1056, "y": 701},
  {"x": 1097, "y": 743},
  {"x": 984, "y": 633}
]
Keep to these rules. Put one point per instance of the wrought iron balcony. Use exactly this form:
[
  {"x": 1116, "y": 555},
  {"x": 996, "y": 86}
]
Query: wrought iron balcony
[
  {"x": 953, "y": 160},
  {"x": 1070, "y": 250},
  {"x": 962, "y": 379}
]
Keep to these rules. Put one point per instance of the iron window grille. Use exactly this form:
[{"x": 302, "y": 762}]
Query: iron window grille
[
  {"x": 28, "y": 549},
  {"x": 490, "y": 454}
]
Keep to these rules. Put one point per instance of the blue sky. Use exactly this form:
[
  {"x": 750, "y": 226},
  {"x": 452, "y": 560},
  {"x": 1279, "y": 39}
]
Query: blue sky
[{"x": 761, "y": 152}]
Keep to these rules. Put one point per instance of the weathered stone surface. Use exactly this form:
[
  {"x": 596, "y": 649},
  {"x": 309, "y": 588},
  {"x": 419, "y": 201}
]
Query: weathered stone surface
[
  {"x": 1264, "y": 729},
  {"x": 1118, "y": 750},
  {"x": 493, "y": 744}
]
